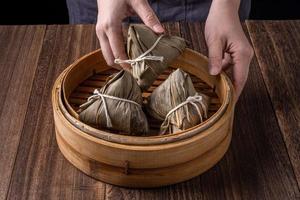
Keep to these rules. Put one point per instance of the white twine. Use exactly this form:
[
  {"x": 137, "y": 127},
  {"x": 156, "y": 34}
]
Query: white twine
[
  {"x": 143, "y": 56},
  {"x": 191, "y": 100},
  {"x": 97, "y": 95}
]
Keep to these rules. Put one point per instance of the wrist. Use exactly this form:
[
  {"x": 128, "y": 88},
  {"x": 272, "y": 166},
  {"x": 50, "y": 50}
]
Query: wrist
[{"x": 232, "y": 4}]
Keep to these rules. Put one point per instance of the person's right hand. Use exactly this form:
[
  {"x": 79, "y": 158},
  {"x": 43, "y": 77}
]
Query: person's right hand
[
  {"x": 109, "y": 25},
  {"x": 227, "y": 43}
]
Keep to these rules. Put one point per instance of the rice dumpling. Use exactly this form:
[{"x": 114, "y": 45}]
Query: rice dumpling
[
  {"x": 116, "y": 106},
  {"x": 150, "y": 53},
  {"x": 177, "y": 104}
]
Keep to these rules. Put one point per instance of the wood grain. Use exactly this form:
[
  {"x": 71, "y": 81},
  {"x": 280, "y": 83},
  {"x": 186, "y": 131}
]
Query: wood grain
[
  {"x": 262, "y": 162},
  {"x": 255, "y": 161},
  {"x": 277, "y": 45},
  {"x": 40, "y": 171},
  {"x": 258, "y": 158},
  {"x": 19, "y": 52}
]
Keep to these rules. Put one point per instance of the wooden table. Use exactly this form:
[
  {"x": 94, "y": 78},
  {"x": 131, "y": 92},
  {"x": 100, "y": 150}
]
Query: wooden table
[{"x": 263, "y": 161}]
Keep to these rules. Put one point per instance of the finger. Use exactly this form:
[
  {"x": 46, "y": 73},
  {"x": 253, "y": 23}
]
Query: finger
[
  {"x": 241, "y": 59},
  {"x": 106, "y": 50},
  {"x": 116, "y": 41},
  {"x": 215, "y": 54},
  {"x": 226, "y": 62},
  {"x": 131, "y": 12},
  {"x": 240, "y": 74},
  {"x": 145, "y": 12}
]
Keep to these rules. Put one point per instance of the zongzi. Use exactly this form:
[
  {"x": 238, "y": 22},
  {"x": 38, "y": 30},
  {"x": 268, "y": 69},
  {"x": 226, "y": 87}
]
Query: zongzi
[
  {"x": 116, "y": 106},
  {"x": 177, "y": 104},
  {"x": 150, "y": 53}
]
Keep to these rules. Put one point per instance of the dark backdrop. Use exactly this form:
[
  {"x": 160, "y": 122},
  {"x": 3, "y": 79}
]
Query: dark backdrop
[{"x": 55, "y": 11}]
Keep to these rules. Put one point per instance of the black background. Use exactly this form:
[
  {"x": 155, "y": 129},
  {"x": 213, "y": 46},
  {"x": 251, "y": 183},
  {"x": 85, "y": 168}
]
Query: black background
[{"x": 55, "y": 11}]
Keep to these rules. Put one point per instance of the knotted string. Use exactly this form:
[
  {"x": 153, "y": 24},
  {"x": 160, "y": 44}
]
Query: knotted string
[
  {"x": 143, "y": 56},
  {"x": 98, "y": 95},
  {"x": 191, "y": 100}
]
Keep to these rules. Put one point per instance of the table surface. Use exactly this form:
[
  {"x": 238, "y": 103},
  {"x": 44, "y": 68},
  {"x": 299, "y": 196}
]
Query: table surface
[{"x": 263, "y": 161}]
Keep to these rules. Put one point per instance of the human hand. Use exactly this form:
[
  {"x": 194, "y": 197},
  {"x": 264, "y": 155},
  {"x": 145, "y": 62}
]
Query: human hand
[
  {"x": 227, "y": 43},
  {"x": 109, "y": 25}
]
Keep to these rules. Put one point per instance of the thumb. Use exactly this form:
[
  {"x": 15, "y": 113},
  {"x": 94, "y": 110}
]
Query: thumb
[
  {"x": 144, "y": 10},
  {"x": 215, "y": 55}
]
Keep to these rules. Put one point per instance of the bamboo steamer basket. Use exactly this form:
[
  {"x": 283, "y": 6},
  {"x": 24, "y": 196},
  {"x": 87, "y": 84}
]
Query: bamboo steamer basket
[{"x": 141, "y": 162}]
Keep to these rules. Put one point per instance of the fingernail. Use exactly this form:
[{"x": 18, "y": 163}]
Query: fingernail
[
  {"x": 213, "y": 71},
  {"x": 158, "y": 28}
]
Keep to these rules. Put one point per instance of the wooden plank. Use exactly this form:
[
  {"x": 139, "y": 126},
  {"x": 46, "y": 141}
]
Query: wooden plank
[
  {"x": 258, "y": 160},
  {"x": 41, "y": 171},
  {"x": 258, "y": 150},
  {"x": 19, "y": 51},
  {"x": 256, "y": 166},
  {"x": 277, "y": 47}
]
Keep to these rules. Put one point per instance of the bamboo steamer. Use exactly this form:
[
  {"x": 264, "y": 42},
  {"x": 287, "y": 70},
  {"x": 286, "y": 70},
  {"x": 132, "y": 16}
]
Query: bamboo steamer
[{"x": 141, "y": 161}]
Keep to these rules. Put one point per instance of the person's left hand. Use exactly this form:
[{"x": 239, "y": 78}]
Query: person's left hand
[{"x": 227, "y": 43}]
